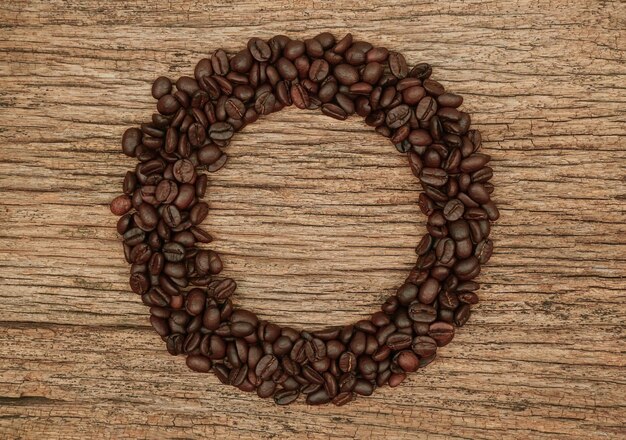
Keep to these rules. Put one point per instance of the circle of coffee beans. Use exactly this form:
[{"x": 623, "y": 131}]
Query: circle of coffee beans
[{"x": 176, "y": 273}]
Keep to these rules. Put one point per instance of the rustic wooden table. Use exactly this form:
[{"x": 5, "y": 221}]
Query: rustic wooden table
[{"x": 316, "y": 220}]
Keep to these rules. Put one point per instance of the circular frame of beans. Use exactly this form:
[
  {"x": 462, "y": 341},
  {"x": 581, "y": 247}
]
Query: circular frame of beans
[{"x": 161, "y": 211}]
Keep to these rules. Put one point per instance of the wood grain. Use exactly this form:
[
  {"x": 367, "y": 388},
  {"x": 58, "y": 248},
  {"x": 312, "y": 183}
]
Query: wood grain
[{"x": 316, "y": 220}]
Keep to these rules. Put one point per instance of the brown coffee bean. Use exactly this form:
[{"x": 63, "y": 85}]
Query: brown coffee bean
[{"x": 441, "y": 332}]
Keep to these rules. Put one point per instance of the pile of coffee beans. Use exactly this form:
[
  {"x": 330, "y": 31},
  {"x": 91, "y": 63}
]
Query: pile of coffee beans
[{"x": 177, "y": 274}]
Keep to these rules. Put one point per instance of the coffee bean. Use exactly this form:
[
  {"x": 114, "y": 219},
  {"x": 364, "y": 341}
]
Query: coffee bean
[
  {"x": 346, "y": 74},
  {"x": 467, "y": 269},
  {"x": 221, "y": 131},
  {"x": 398, "y": 341},
  {"x": 453, "y": 210},
  {"x": 265, "y": 102},
  {"x": 462, "y": 314},
  {"x": 121, "y": 205},
  {"x": 407, "y": 293},
  {"x": 419, "y": 312},
  {"x": 286, "y": 397},
  {"x": 433, "y": 88},
  {"x": 363, "y": 387},
  {"x": 148, "y": 215},
  {"x": 347, "y": 362},
  {"x": 173, "y": 252},
  {"x": 184, "y": 171},
  {"x": 315, "y": 350},
  {"x": 151, "y": 130},
  {"x": 167, "y": 104},
  {"x": 196, "y": 299},
  {"x": 286, "y": 69},
  {"x": 241, "y": 329},
  {"x": 131, "y": 140},
  {"x": 396, "y": 379},
  {"x": 219, "y": 62},
  {"x": 299, "y": 96},
  {"x": 198, "y": 213},
  {"x": 441, "y": 332},
  {"x": 398, "y": 116},
  {"x": 334, "y": 111},
  {"x": 318, "y": 397},
  {"x": 397, "y": 65},
  {"x": 426, "y": 109},
  {"x": 413, "y": 95},
  {"x": 372, "y": 72},
  {"x": 161, "y": 86},
  {"x": 420, "y": 137},
  {"x": 242, "y": 61},
  {"x": 434, "y": 176},
  {"x": 356, "y": 53},
  {"x": 474, "y": 162},
  {"x": 424, "y": 346},
  {"x": 483, "y": 251},
  {"x": 259, "y": 49},
  {"x": 224, "y": 289},
  {"x": 199, "y": 363},
  {"x": 425, "y": 244},
  {"x": 407, "y": 360}
]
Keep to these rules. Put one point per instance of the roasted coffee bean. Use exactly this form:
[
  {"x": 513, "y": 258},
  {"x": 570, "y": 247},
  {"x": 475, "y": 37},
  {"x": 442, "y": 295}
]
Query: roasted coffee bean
[
  {"x": 265, "y": 103},
  {"x": 424, "y": 346},
  {"x": 474, "y": 162},
  {"x": 426, "y": 109},
  {"x": 195, "y": 302},
  {"x": 198, "y": 213},
  {"x": 407, "y": 293},
  {"x": 346, "y": 74},
  {"x": 428, "y": 291},
  {"x": 199, "y": 363},
  {"x": 347, "y": 362},
  {"x": 241, "y": 329},
  {"x": 398, "y": 116},
  {"x": 311, "y": 375},
  {"x": 358, "y": 343},
  {"x": 483, "y": 251},
  {"x": 315, "y": 349},
  {"x": 467, "y": 269},
  {"x": 221, "y": 131},
  {"x": 356, "y": 53},
  {"x": 259, "y": 49},
  {"x": 441, "y": 332},
  {"x": 407, "y": 360},
  {"x": 184, "y": 171},
  {"x": 334, "y": 111},
  {"x": 285, "y": 397},
  {"x": 398, "y": 341},
  {"x": 453, "y": 210},
  {"x": 434, "y": 176},
  {"x": 224, "y": 289},
  {"x": 419, "y": 312},
  {"x": 462, "y": 314},
  {"x": 363, "y": 387},
  {"x": 161, "y": 86},
  {"x": 398, "y": 65},
  {"x": 121, "y": 205}
]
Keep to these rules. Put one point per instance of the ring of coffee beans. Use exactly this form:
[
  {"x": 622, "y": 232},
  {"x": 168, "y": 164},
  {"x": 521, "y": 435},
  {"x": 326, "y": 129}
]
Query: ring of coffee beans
[{"x": 161, "y": 211}]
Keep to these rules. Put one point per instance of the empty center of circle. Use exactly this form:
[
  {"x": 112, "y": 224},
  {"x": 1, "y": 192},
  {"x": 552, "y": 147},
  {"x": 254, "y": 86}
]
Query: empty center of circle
[{"x": 315, "y": 219}]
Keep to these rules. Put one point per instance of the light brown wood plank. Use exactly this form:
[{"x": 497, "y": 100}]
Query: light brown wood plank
[{"x": 317, "y": 221}]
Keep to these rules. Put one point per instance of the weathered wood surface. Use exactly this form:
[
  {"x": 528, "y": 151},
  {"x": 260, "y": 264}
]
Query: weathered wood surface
[{"x": 317, "y": 221}]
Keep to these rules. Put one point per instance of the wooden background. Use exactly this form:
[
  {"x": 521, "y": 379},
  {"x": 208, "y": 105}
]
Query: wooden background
[{"x": 316, "y": 220}]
